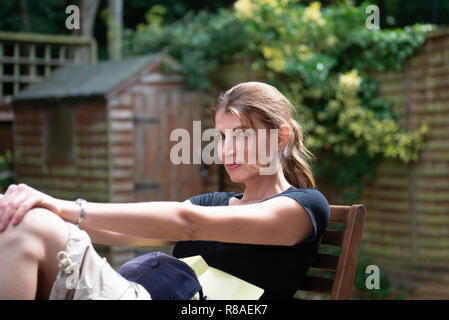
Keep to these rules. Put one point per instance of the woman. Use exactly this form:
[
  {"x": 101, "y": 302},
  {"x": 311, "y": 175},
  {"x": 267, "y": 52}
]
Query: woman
[{"x": 267, "y": 235}]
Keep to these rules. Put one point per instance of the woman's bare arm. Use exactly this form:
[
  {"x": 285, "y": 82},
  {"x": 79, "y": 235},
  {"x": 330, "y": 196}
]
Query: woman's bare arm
[
  {"x": 278, "y": 221},
  {"x": 111, "y": 238},
  {"x": 152, "y": 220}
]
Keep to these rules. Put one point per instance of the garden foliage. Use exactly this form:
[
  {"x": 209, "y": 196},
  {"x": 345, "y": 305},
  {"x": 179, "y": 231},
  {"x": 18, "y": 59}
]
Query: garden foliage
[{"x": 322, "y": 59}]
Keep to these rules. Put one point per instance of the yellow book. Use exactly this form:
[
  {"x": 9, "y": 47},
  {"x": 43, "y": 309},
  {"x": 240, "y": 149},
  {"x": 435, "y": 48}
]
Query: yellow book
[{"x": 219, "y": 285}]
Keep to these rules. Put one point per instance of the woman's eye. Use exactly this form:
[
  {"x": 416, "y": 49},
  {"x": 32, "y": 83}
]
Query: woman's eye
[
  {"x": 238, "y": 133},
  {"x": 220, "y": 136}
]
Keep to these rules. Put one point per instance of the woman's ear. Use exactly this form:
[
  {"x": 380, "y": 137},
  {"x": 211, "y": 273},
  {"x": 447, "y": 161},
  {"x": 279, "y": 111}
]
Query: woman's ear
[{"x": 283, "y": 135}]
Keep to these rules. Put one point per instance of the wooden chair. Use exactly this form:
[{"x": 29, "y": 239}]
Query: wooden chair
[{"x": 345, "y": 264}]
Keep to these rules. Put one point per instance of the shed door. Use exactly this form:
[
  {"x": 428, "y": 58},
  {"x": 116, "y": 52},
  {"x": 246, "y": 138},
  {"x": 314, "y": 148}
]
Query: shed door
[{"x": 158, "y": 111}]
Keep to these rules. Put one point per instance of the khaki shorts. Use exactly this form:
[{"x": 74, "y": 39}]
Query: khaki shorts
[{"x": 84, "y": 275}]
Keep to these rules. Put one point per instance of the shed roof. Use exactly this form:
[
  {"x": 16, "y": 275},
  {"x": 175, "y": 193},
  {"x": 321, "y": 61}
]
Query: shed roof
[{"x": 86, "y": 80}]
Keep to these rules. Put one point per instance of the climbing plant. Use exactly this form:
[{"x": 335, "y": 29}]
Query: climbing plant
[{"x": 322, "y": 59}]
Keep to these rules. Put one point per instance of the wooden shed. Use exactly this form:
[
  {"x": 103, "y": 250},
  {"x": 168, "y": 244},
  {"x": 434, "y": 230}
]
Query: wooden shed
[{"x": 102, "y": 132}]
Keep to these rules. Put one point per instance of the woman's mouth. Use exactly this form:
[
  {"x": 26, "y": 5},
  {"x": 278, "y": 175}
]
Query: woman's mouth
[{"x": 233, "y": 166}]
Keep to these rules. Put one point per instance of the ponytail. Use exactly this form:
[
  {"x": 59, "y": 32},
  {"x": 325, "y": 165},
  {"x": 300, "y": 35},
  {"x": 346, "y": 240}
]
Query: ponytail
[{"x": 294, "y": 160}]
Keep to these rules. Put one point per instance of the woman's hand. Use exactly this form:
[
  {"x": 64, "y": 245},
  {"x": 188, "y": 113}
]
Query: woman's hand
[{"x": 19, "y": 199}]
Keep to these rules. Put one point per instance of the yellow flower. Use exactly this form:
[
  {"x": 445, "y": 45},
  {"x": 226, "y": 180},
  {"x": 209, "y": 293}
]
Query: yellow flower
[
  {"x": 244, "y": 8},
  {"x": 275, "y": 58},
  {"x": 312, "y": 13},
  {"x": 316, "y": 5},
  {"x": 350, "y": 82},
  {"x": 424, "y": 129},
  {"x": 277, "y": 64},
  {"x": 304, "y": 52},
  {"x": 333, "y": 105},
  {"x": 272, "y": 3},
  {"x": 331, "y": 41},
  {"x": 268, "y": 52}
]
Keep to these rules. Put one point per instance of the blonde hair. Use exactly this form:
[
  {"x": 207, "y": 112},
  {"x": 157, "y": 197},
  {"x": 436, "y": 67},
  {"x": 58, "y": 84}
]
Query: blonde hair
[{"x": 273, "y": 109}]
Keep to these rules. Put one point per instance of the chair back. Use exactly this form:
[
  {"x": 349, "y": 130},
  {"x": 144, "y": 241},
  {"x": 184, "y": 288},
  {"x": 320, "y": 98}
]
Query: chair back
[{"x": 345, "y": 264}]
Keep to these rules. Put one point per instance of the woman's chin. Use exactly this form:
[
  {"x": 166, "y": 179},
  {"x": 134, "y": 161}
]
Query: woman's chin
[
  {"x": 236, "y": 179},
  {"x": 239, "y": 177}
]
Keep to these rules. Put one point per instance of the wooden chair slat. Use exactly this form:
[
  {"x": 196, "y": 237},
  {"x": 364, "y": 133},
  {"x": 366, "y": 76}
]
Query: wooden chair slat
[
  {"x": 345, "y": 264},
  {"x": 317, "y": 284},
  {"x": 333, "y": 237},
  {"x": 339, "y": 213},
  {"x": 325, "y": 261}
]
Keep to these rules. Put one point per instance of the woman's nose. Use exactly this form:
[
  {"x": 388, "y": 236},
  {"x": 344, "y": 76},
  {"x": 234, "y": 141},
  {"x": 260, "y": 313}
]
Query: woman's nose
[{"x": 228, "y": 150}]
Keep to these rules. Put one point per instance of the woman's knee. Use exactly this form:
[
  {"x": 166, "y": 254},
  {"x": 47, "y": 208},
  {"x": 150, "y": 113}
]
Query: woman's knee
[
  {"x": 37, "y": 218},
  {"x": 33, "y": 244},
  {"x": 44, "y": 224},
  {"x": 38, "y": 228}
]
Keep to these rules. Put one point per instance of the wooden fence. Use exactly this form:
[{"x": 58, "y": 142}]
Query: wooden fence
[
  {"x": 407, "y": 224},
  {"x": 28, "y": 58}
]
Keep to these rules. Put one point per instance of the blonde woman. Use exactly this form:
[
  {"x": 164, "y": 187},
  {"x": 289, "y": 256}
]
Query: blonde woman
[{"x": 268, "y": 235}]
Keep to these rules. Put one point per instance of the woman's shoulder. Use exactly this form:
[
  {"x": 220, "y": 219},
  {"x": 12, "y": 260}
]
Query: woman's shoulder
[
  {"x": 218, "y": 198},
  {"x": 311, "y": 193},
  {"x": 311, "y": 199}
]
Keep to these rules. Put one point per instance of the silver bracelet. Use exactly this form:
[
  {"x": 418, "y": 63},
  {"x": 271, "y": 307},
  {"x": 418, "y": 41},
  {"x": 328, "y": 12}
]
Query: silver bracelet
[{"x": 81, "y": 203}]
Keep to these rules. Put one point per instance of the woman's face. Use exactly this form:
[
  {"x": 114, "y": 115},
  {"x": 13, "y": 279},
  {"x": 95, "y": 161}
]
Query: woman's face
[{"x": 239, "y": 144}]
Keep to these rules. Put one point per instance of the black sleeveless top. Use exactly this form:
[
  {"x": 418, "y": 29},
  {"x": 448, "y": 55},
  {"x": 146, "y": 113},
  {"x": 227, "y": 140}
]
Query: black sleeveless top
[{"x": 279, "y": 270}]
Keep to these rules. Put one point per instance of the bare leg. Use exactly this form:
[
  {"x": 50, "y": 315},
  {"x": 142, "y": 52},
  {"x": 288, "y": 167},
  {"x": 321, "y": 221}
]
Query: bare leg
[{"x": 28, "y": 264}]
